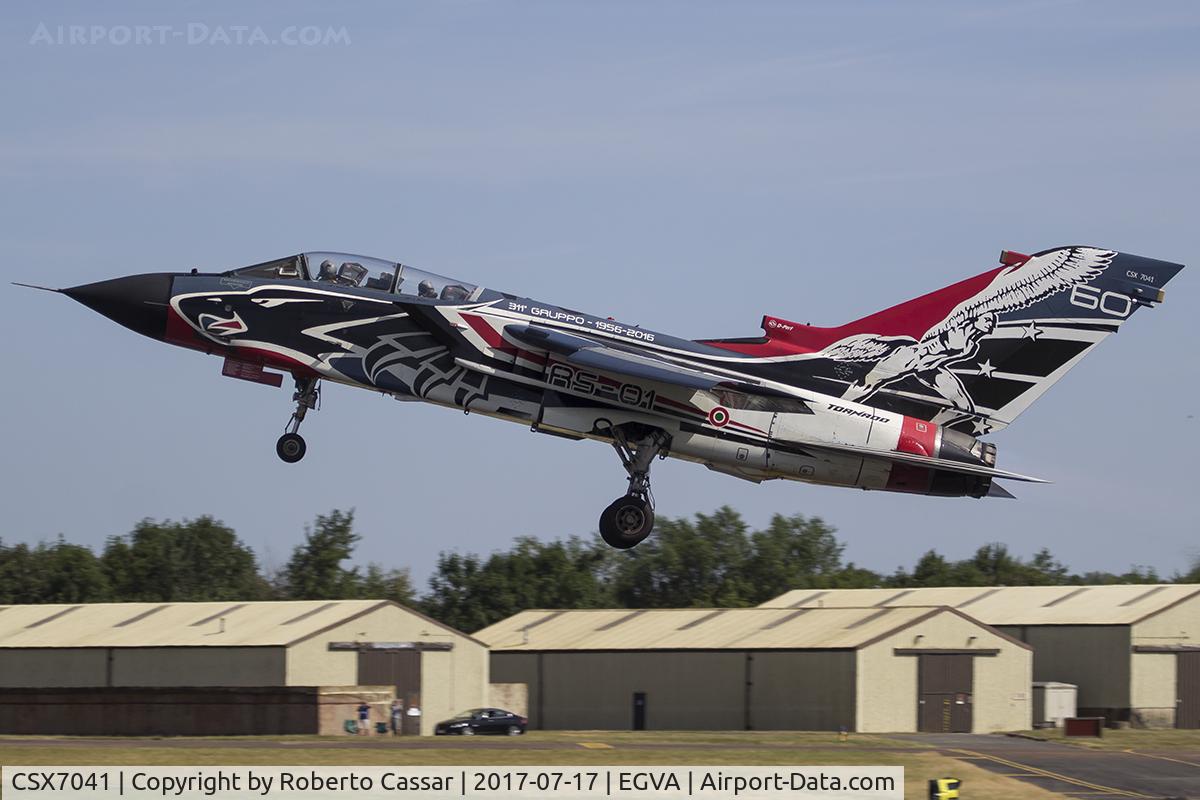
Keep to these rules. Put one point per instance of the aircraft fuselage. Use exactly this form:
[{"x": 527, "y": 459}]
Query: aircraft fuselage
[{"x": 890, "y": 402}]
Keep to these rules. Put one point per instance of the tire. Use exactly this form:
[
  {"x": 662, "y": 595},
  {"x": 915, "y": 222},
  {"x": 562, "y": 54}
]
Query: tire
[
  {"x": 514, "y": 730},
  {"x": 468, "y": 731},
  {"x": 291, "y": 447},
  {"x": 626, "y": 522}
]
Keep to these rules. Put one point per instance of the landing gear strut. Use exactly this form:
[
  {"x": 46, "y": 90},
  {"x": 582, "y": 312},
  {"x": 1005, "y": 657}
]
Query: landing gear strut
[
  {"x": 291, "y": 447},
  {"x": 629, "y": 519}
]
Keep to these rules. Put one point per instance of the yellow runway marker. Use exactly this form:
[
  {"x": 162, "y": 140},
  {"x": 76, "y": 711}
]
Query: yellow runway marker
[
  {"x": 1163, "y": 758},
  {"x": 1045, "y": 773},
  {"x": 595, "y": 745}
]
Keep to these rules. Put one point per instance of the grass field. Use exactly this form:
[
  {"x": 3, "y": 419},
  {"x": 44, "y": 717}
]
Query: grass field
[{"x": 598, "y": 748}]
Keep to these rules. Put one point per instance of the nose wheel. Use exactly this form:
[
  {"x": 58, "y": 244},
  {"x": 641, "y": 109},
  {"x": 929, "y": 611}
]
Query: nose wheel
[
  {"x": 291, "y": 447},
  {"x": 629, "y": 519}
]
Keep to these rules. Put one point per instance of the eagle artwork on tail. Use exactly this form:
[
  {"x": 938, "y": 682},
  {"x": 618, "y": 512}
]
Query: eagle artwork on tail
[{"x": 956, "y": 338}]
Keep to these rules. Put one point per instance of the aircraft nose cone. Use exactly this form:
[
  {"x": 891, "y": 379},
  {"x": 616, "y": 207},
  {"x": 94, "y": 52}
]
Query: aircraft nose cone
[{"x": 139, "y": 302}]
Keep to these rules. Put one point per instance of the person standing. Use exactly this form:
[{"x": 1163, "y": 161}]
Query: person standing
[
  {"x": 414, "y": 717},
  {"x": 397, "y": 716},
  {"x": 364, "y": 718}
]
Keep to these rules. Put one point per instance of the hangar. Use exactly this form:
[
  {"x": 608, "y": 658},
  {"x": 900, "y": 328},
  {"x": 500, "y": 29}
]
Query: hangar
[
  {"x": 873, "y": 669},
  {"x": 1132, "y": 649},
  {"x": 209, "y": 668}
]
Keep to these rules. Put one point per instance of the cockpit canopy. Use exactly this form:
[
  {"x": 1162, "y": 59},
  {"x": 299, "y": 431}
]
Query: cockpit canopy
[
  {"x": 344, "y": 269},
  {"x": 350, "y": 270}
]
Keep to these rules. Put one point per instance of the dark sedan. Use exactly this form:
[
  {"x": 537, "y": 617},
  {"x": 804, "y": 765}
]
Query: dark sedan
[{"x": 483, "y": 720}]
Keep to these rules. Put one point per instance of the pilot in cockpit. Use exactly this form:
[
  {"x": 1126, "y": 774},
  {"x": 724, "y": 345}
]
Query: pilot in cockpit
[
  {"x": 455, "y": 292},
  {"x": 426, "y": 289},
  {"x": 328, "y": 271}
]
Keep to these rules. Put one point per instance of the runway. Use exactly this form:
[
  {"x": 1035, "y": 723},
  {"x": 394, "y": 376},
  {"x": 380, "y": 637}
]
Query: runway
[{"x": 1073, "y": 770}]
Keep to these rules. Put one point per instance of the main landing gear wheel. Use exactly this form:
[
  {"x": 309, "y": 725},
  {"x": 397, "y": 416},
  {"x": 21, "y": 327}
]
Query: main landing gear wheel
[
  {"x": 291, "y": 447},
  {"x": 629, "y": 519},
  {"x": 626, "y": 522}
]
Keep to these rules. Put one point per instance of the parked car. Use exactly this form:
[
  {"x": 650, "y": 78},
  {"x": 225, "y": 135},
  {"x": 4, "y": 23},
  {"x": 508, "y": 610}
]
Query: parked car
[{"x": 483, "y": 720}]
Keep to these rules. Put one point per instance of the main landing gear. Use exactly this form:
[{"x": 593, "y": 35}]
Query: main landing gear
[
  {"x": 291, "y": 447},
  {"x": 630, "y": 519}
]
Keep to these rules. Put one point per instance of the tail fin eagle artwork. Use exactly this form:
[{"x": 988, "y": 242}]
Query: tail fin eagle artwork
[
  {"x": 974, "y": 355},
  {"x": 894, "y": 401}
]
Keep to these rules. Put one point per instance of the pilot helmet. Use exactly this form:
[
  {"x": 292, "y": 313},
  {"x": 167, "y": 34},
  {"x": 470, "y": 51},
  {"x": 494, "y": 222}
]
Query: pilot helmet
[
  {"x": 328, "y": 270},
  {"x": 425, "y": 288}
]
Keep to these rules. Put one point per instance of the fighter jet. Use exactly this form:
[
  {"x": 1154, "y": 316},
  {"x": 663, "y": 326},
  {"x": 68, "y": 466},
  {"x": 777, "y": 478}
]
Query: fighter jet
[{"x": 895, "y": 401}]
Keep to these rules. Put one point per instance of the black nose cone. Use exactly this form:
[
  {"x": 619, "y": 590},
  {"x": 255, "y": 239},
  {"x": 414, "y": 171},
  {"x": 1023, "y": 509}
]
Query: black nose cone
[{"x": 139, "y": 302}]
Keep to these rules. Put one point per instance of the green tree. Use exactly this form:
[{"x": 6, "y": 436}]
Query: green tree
[
  {"x": 19, "y": 581},
  {"x": 794, "y": 553},
  {"x": 198, "y": 559},
  {"x": 71, "y": 573},
  {"x": 932, "y": 570},
  {"x": 992, "y": 565},
  {"x": 855, "y": 577},
  {"x": 1135, "y": 574},
  {"x": 315, "y": 570},
  {"x": 455, "y": 595},
  {"x": 51, "y": 573},
  {"x": 469, "y": 593},
  {"x": 534, "y": 574},
  {"x": 1046, "y": 570},
  {"x": 700, "y": 564},
  {"x": 387, "y": 584}
]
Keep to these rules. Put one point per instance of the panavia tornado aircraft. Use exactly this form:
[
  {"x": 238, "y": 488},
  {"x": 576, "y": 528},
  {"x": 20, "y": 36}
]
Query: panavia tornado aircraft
[{"x": 894, "y": 401}]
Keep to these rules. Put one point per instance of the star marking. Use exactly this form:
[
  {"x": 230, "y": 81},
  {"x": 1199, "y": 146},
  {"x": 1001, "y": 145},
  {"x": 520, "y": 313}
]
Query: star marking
[
  {"x": 986, "y": 369},
  {"x": 1032, "y": 332},
  {"x": 981, "y": 427}
]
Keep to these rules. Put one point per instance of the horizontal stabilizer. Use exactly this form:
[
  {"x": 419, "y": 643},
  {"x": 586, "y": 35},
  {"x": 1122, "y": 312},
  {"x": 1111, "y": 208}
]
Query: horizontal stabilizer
[{"x": 996, "y": 490}]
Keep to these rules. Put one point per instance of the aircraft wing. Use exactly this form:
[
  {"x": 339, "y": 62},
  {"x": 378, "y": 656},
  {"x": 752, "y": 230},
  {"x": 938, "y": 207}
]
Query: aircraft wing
[
  {"x": 589, "y": 353},
  {"x": 586, "y": 352},
  {"x": 947, "y": 464}
]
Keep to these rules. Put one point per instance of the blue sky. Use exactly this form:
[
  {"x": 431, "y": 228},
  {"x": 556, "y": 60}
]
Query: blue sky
[{"x": 685, "y": 166}]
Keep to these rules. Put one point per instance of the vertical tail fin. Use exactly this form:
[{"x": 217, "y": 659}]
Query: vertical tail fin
[{"x": 977, "y": 353}]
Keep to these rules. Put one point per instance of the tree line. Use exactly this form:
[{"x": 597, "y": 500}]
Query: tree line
[{"x": 709, "y": 560}]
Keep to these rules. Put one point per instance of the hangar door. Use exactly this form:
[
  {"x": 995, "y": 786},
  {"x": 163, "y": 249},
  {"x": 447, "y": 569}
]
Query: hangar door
[
  {"x": 944, "y": 687},
  {"x": 398, "y": 668},
  {"x": 1187, "y": 672}
]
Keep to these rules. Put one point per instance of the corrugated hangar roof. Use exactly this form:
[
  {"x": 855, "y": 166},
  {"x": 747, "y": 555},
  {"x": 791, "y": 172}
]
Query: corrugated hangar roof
[
  {"x": 174, "y": 624},
  {"x": 1122, "y": 604},
  {"x": 699, "y": 628}
]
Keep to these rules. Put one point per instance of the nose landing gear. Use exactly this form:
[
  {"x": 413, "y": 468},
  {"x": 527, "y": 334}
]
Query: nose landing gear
[
  {"x": 291, "y": 446},
  {"x": 629, "y": 519}
]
